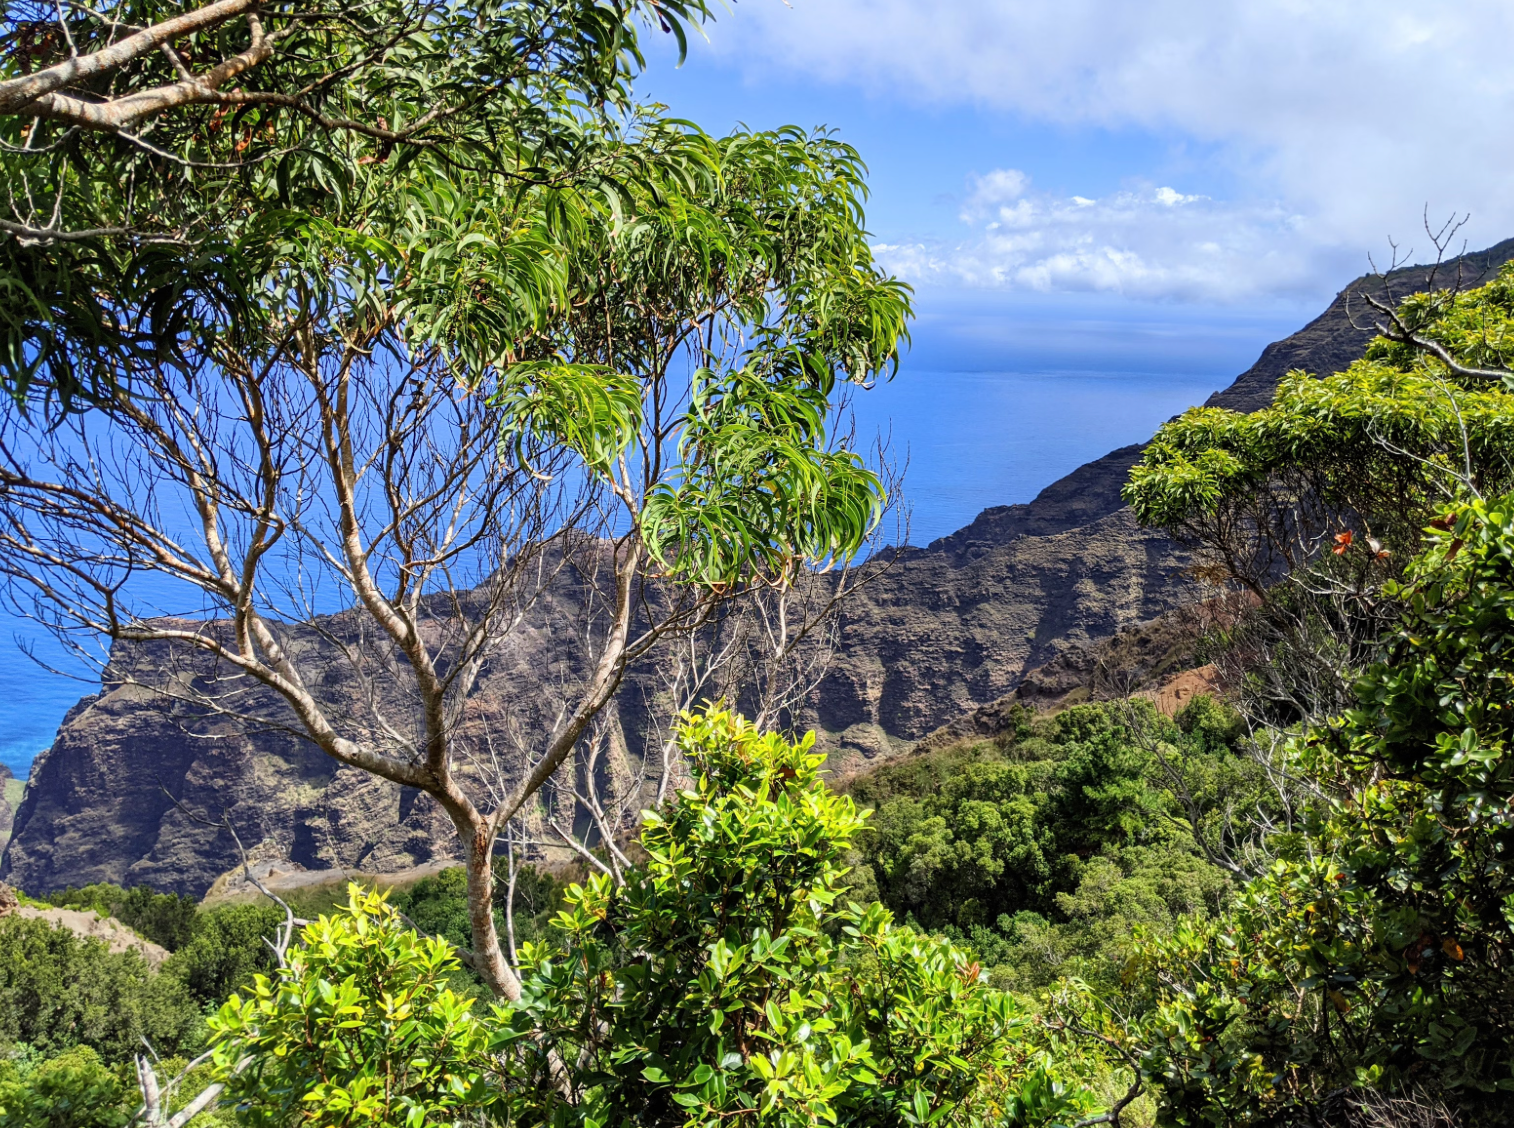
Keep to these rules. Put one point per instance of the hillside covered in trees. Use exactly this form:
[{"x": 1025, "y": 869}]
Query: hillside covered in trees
[{"x": 416, "y": 357}]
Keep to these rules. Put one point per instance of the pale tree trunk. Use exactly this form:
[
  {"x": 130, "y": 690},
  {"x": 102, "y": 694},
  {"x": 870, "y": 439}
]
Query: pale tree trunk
[{"x": 488, "y": 955}]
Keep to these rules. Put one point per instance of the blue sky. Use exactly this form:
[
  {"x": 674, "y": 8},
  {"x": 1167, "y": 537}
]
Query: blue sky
[
  {"x": 1253, "y": 152},
  {"x": 1146, "y": 191}
]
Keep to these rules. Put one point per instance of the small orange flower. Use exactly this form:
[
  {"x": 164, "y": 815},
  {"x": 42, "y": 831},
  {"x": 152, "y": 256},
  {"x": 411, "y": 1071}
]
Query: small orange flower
[{"x": 1343, "y": 542}]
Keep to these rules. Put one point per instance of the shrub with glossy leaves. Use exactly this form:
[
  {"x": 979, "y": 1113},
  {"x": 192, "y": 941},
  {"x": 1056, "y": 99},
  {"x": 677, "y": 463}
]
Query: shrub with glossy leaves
[
  {"x": 1381, "y": 954},
  {"x": 723, "y": 983},
  {"x": 358, "y": 1029}
]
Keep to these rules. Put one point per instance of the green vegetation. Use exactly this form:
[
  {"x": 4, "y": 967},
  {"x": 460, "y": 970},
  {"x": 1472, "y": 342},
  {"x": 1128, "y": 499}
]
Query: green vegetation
[
  {"x": 359, "y": 1028},
  {"x": 167, "y": 919},
  {"x": 58, "y": 991},
  {"x": 1373, "y": 952},
  {"x": 1085, "y": 930},
  {"x": 446, "y": 246},
  {"x": 213, "y": 951},
  {"x": 226, "y": 948},
  {"x": 74, "y": 1016},
  {"x": 1043, "y": 849},
  {"x": 438, "y": 906},
  {"x": 72, "y": 1090},
  {"x": 1373, "y": 449},
  {"x": 725, "y": 978},
  {"x": 1377, "y": 955}
]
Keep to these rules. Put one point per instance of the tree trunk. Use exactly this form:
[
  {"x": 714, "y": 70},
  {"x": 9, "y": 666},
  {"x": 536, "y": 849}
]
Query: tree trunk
[{"x": 489, "y": 958}]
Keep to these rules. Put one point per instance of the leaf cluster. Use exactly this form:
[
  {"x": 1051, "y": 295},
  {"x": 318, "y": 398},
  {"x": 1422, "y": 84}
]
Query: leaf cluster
[
  {"x": 721, "y": 982},
  {"x": 359, "y": 1028},
  {"x": 1375, "y": 448},
  {"x": 128, "y": 237}
]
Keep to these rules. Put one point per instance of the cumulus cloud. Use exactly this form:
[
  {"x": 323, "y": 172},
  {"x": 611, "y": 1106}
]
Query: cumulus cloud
[
  {"x": 990, "y": 192},
  {"x": 1150, "y": 242},
  {"x": 1345, "y": 119}
]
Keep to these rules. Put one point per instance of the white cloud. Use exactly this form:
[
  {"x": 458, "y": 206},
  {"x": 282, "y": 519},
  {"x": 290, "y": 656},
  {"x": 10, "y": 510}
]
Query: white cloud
[
  {"x": 986, "y": 194},
  {"x": 1144, "y": 243},
  {"x": 1171, "y": 197},
  {"x": 1344, "y": 118}
]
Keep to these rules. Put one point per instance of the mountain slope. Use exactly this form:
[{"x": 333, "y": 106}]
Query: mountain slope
[
  {"x": 948, "y": 629},
  {"x": 956, "y": 626}
]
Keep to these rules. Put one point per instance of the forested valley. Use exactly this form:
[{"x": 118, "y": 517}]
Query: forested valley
[{"x": 374, "y": 329}]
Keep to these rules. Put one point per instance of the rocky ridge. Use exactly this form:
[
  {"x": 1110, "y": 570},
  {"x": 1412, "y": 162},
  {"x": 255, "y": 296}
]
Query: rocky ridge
[
  {"x": 1018, "y": 601},
  {"x": 11, "y": 790}
]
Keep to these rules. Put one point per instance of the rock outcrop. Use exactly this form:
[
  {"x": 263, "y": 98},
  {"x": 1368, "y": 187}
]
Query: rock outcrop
[
  {"x": 110, "y": 798},
  {"x": 947, "y": 633}
]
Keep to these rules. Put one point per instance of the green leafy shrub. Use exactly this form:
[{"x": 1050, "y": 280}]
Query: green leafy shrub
[
  {"x": 358, "y": 1029},
  {"x": 214, "y": 950},
  {"x": 72, "y": 1090},
  {"x": 227, "y": 947},
  {"x": 721, "y": 982},
  {"x": 1044, "y": 850},
  {"x": 59, "y": 990},
  {"x": 1380, "y": 954}
]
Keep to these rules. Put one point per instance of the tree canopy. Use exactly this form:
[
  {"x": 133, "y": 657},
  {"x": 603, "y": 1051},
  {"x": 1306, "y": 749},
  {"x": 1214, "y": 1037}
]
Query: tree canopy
[
  {"x": 1371, "y": 451},
  {"x": 431, "y": 375},
  {"x": 156, "y": 154}
]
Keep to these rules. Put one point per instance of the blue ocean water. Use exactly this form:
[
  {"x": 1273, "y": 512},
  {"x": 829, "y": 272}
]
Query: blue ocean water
[
  {"x": 970, "y": 440},
  {"x": 999, "y": 397}
]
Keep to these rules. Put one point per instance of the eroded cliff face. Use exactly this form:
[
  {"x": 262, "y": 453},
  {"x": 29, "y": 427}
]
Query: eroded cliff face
[
  {"x": 948, "y": 630},
  {"x": 951, "y": 627},
  {"x": 104, "y": 807}
]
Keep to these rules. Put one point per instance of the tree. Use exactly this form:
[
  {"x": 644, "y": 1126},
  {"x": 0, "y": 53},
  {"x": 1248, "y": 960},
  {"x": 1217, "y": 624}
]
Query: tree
[
  {"x": 1375, "y": 950},
  {"x": 427, "y": 426},
  {"x": 143, "y": 143},
  {"x": 1309, "y": 505},
  {"x": 722, "y": 981}
]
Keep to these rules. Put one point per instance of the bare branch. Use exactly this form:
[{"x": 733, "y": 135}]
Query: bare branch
[{"x": 28, "y": 92}]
